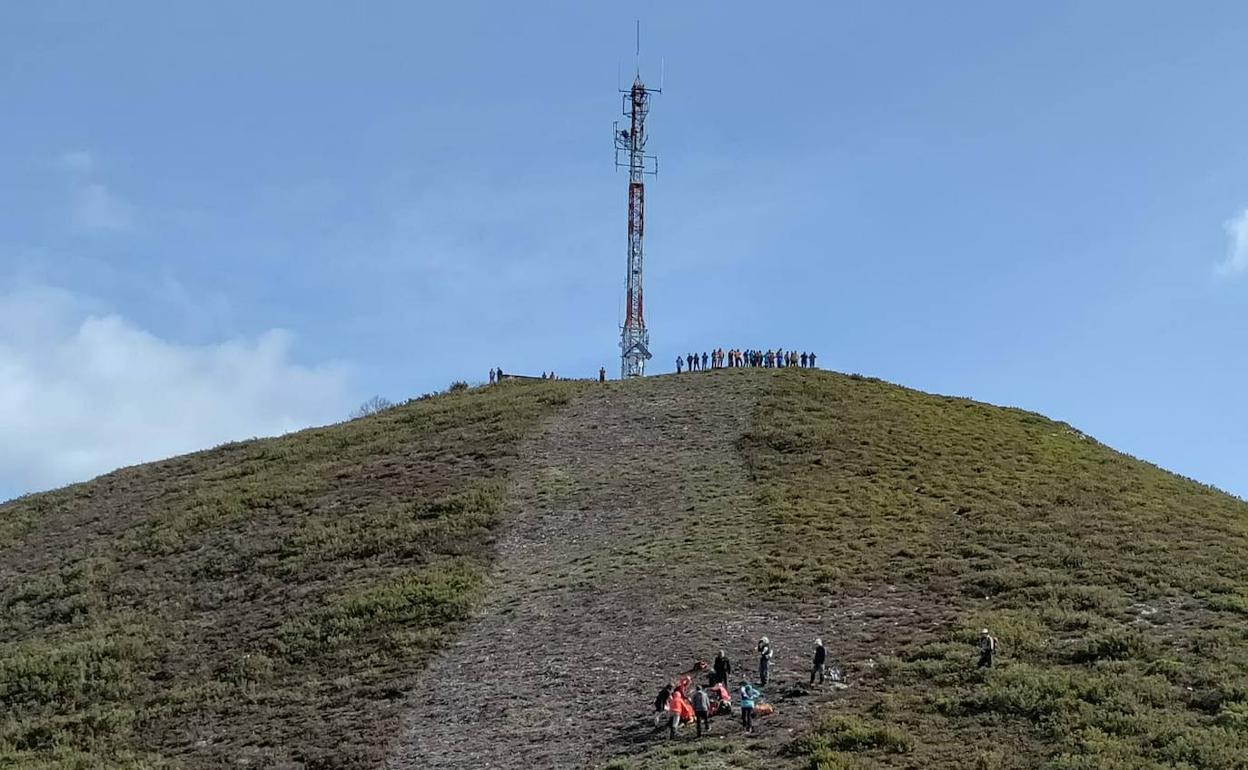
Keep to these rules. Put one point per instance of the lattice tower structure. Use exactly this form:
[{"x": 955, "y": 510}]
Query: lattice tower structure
[{"x": 630, "y": 152}]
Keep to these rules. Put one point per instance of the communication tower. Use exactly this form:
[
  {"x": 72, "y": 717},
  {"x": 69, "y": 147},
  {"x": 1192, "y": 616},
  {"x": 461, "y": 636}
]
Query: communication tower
[{"x": 630, "y": 153}]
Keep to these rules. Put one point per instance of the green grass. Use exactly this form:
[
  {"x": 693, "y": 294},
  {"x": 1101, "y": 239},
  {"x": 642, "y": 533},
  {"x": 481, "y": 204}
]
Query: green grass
[
  {"x": 707, "y": 754},
  {"x": 1117, "y": 589},
  {"x": 263, "y": 603},
  {"x": 272, "y": 602}
]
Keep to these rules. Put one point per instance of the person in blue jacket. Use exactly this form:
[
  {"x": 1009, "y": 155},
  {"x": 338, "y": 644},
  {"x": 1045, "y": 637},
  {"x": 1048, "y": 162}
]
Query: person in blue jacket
[{"x": 747, "y": 695}]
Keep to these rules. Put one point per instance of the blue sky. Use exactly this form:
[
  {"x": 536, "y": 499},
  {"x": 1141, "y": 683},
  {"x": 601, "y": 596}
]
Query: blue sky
[{"x": 233, "y": 219}]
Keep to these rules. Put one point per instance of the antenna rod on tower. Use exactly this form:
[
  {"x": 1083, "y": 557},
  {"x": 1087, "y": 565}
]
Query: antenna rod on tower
[{"x": 630, "y": 142}]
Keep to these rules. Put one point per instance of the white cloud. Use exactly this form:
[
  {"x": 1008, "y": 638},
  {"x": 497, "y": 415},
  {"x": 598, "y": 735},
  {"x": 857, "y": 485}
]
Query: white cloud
[
  {"x": 1237, "y": 250},
  {"x": 95, "y": 208},
  {"x": 78, "y": 161},
  {"x": 83, "y": 392}
]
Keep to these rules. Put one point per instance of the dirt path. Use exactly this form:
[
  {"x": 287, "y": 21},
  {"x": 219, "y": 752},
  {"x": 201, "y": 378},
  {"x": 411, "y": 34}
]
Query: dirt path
[{"x": 623, "y": 561}]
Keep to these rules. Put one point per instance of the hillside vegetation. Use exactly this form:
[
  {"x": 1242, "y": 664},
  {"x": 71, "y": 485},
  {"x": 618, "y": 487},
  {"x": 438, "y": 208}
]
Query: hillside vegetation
[
  {"x": 264, "y": 604},
  {"x": 1119, "y": 591},
  {"x": 273, "y": 603}
]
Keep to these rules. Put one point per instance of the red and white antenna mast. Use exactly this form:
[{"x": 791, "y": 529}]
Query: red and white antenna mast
[{"x": 631, "y": 141}]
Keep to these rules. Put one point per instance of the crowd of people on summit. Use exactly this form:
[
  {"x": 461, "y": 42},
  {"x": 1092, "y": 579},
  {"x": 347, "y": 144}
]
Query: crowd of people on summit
[
  {"x": 681, "y": 701},
  {"x": 737, "y": 358},
  {"x": 715, "y": 359}
]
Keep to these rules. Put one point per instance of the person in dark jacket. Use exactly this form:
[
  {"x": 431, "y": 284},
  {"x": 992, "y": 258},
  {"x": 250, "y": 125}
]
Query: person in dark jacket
[
  {"x": 821, "y": 661},
  {"x": 764, "y": 660},
  {"x": 660, "y": 700},
  {"x": 987, "y": 649},
  {"x": 721, "y": 669},
  {"x": 702, "y": 710}
]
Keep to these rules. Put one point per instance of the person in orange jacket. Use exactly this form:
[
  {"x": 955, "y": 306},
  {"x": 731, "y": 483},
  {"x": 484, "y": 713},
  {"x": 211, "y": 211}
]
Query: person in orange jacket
[{"x": 681, "y": 711}]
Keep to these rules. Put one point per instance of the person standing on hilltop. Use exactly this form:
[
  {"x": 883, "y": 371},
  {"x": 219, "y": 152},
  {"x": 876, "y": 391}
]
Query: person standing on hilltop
[
  {"x": 764, "y": 660},
  {"x": 721, "y": 669},
  {"x": 821, "y": 662},
  {"x": 812, "y": 360},
  {"x": 704, "y": 362},
  {"x": 679, "y": 363},
  {"x": 602, "y": 374},
  {"x": 689, "y": 360},
  {"x": 491, "y": 376}
]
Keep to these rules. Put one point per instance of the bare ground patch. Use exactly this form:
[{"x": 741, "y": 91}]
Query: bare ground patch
[{"x": 631, "y": 550}]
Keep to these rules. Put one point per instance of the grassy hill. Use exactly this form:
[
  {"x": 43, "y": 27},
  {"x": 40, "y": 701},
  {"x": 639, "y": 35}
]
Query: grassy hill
[{"x": 508, "y": 573}]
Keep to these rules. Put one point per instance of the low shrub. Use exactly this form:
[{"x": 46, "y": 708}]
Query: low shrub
[{"x": 851, "y": 734}]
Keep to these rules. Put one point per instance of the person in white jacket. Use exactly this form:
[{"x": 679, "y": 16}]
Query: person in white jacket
[{"x": 764, "y": 660}]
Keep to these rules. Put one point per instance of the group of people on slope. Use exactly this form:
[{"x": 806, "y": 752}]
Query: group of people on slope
[
  {"x": 735, "y": 358},
  {"x": 678, "y": 705},
  {"x": 702, "y": 703}
]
